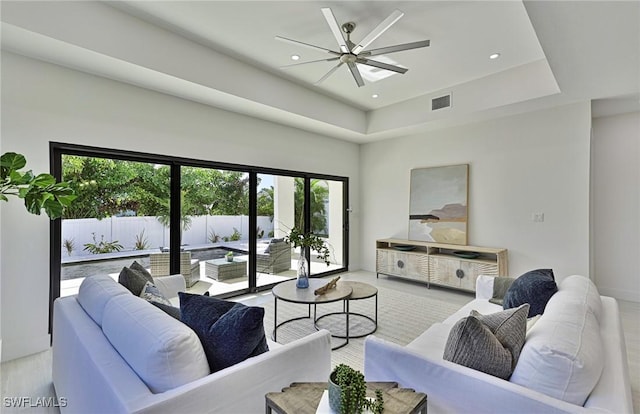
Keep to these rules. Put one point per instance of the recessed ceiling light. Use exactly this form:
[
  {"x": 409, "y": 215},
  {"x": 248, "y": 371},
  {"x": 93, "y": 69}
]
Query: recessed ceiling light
[
  {"x": 295, "y": 57},
  {"x": 494, "y": 56},
  {"x": 374, "y": 96}
]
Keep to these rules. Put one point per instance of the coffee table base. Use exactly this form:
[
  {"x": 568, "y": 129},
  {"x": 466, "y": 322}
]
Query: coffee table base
[{"x": 315, "y": 320}]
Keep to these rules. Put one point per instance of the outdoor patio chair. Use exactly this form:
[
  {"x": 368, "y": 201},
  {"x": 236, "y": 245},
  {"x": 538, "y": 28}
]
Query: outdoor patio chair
[{"x": 189, "y": 268}]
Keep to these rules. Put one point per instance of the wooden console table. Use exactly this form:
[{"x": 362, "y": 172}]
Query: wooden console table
[{"x": 438, "y": 264}]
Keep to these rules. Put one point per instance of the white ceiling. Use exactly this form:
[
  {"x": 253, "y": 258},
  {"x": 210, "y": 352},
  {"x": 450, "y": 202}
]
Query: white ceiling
[
  {"x": 462, "y": 34},
  {"x": 224, "y": 54}
]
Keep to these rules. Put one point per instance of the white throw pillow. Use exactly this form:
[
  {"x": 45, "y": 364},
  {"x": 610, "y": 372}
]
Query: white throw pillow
[
  {"x": 582, "y": 289},
  {"x": 562, "y": 356},
  {"x": 164, "y": 352},
  {"x": 95, "y": 292}
]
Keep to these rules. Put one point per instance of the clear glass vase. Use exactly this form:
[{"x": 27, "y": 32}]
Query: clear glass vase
[{"x": 303, "y": 272}]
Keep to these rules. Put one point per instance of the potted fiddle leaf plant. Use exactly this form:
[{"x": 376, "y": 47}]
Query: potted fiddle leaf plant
[
  {"x": 348, "y": 392},
  {"x": 39, "y": 192},
  {"x": 305, "y": 241}
]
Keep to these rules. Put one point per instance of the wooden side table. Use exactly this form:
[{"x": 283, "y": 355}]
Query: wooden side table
[{"x": 304, "y": 398}]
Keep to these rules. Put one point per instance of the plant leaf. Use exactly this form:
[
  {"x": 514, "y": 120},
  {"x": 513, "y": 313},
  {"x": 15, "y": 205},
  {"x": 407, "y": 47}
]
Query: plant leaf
[
  {"x": 44, "y": 180},
  {"x": 53, "y": 208},
  {"x": 12, "y": 161}
]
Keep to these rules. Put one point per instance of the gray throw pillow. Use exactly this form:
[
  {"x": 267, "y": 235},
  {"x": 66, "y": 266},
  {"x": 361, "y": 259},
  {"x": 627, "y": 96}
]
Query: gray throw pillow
[
  {"x": 509, "y": 327},
  {"x": 488, "y": 343},
  {"x": 140, "y": 269},
  {"x": 500, "y": 287},
  {"x": 168, "y": 309},
  {"x": 132, "y": 280}
]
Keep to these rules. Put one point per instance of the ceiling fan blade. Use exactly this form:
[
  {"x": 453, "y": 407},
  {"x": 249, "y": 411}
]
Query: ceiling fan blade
[
  {"x": 356, "y": 73},
  {"x": 335, "y": 29},
  {"x": 311, "y": 61},
  {"x": 379, "y": 29},
  {"x": 322, "y": 79},
  {"x": 396, "y": 48},
  {"x": 381, "y": 65},
  {"x": 317, "y": 48}
]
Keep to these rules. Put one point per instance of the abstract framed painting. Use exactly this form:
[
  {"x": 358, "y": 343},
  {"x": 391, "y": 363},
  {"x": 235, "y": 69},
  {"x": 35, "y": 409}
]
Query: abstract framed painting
[{"x": 438, "y": 204}]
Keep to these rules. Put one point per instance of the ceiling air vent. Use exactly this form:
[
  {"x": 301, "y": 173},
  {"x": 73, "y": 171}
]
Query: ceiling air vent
[{"x": 441, "y": 102}]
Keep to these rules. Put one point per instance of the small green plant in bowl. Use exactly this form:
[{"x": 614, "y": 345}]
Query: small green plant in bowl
[
  {"x": 229, "y": 257},
  {"x": 348, "y": 392}
]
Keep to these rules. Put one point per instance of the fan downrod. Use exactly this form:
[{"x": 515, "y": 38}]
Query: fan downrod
[{"x": 348, "y": 27}]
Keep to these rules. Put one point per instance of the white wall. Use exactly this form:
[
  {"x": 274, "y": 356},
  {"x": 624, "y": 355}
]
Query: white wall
[
  {"x": 43, "y": 102},
  {"x": 519, "y": 165},
  {"x": 616, "y": 205}
]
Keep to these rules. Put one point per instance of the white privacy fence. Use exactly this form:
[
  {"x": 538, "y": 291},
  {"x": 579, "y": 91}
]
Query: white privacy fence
[{"x": 127, "y": 229}]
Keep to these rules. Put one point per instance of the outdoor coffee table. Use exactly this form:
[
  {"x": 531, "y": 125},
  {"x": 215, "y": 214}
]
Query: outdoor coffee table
[
  {"x": 360, "y": 291},
  {"x": 221, "y": 269},
  {"x": 288, "y": 292},
  {"x": 304, "y": 398}
]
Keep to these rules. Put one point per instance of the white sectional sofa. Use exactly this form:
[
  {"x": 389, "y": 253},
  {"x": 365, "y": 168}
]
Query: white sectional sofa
[
  {"x": 116, "y": 353},
  {"x": 575, "y": 350}
]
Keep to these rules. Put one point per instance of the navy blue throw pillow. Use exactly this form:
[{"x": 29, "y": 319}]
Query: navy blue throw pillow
[
  {"x": 535, "y": 288},
  {"x": 230, "y": 332}
]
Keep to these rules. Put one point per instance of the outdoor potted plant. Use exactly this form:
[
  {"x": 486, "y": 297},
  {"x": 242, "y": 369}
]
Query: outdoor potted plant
[
  {"x": 307, "y": 240},
  {"x": 348, "y": 392},
  {"x": 229, "y": 257}
]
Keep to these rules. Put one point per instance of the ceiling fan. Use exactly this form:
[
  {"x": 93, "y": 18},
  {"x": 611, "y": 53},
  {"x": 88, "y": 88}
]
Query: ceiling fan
[{"x": 351, "y": 53}]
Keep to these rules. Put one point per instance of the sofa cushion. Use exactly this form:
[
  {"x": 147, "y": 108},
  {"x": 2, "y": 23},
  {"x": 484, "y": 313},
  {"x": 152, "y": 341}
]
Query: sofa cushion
[
  {"x": 534, "y": 287},
  {"x": 582, "y": 289},
  {"x": 162, "y": 351},
  {"x": 230, "y": 332},
  {"x": 95, "y": 292},
  {"x": 488, "y": 343},
  {"x": 133, "y": 280},
  {"x": 562, "y": 356},
  {"x": 151, "y": 293}
]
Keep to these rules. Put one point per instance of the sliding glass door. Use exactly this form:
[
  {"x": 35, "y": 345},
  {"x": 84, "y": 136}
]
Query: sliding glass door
[
  {"x": 222, "y": 226},
  {"x": 215, "y": 228},
  {"x": 120, "y": 216}
]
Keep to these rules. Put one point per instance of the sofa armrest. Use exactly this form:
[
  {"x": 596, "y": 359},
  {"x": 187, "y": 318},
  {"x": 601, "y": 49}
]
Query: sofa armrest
[
  {"x": 484, "y": 287},
  {"x": 170, "y": 285},
  {"x": 452, "y": 388},
  {"x": 242, "y": 387}
]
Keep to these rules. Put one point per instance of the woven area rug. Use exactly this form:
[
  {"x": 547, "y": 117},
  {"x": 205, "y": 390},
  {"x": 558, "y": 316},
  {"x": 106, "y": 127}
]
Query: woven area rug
[{"x": 401, "y": 318}]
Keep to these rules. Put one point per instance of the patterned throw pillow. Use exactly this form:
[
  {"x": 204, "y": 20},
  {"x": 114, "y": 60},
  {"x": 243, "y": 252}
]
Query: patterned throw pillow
[
  {"x": 230, "y": 332},
  {"x": 488, "y": 343},
  {"x": 151, "y": 293}
]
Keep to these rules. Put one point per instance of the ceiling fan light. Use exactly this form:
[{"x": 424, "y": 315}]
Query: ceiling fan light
[
  {"x": 295, "y": 57},
  {"x": 375, "y": 95},
  {"x": 494, "y": 56}
]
